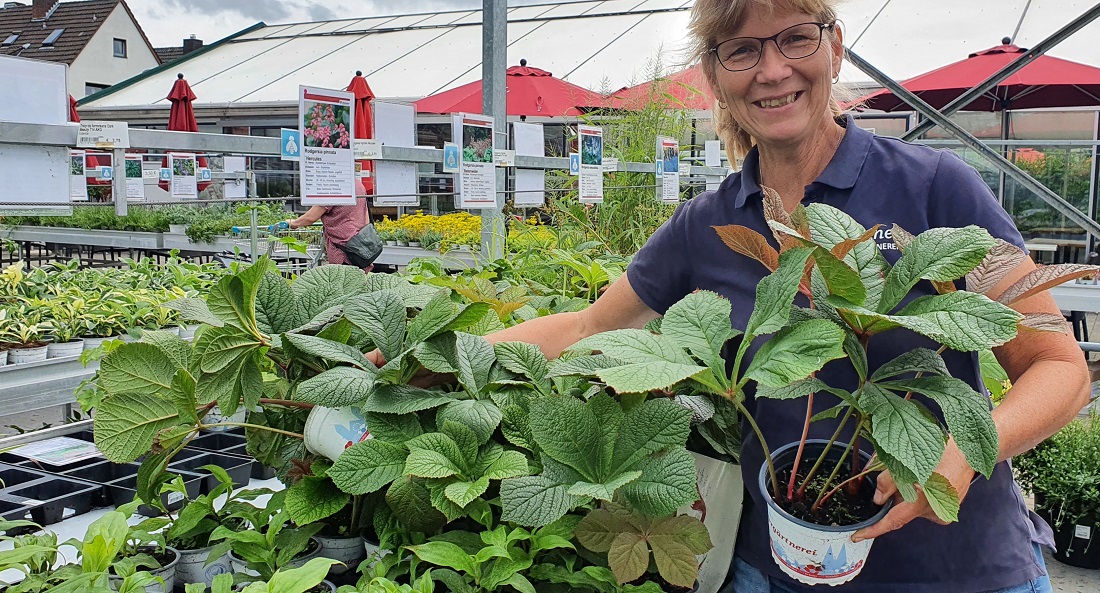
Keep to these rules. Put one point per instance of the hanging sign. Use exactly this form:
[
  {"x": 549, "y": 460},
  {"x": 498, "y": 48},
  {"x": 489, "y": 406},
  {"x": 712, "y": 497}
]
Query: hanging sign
[
  {"x": 326, "y": 119},
  {"x": 477, "y": 178},
  {"x": 367, "y": 150},
  {"x": 712, "y": 153},
  {"x": 103, "y": 134},
  {"x": 530, "y": 183},
  {"x": 610, "y": 165},
  {"x": 135, "y": 178},
  {"x": 182, "y": 173},
  {"x": 78, "y": 183},
  {"x": 504, "y": 158},
  {"x": 668, "y": 156},
  {"x": 591, "y": 173},
  {"x": 452, "y": 156},
  {"x": 290, "y": 144}
]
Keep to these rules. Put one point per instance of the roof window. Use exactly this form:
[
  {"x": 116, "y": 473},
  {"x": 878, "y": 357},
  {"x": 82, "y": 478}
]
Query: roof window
[
  {"x": 53, "y": 37},
  {"x": 11, "y": 38}
]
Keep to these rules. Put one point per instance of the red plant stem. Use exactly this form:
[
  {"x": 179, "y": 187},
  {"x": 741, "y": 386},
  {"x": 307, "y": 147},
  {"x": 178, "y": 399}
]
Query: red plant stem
[
  {"x": 839, "y": 464},
  {"x": 824, "y": 453},
  {"x": 801, "y": 446},
  {"x": 861, "y": 474}
]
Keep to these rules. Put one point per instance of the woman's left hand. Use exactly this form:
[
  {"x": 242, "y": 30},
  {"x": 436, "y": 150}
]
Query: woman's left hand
[{"x": 953, "y": 466}]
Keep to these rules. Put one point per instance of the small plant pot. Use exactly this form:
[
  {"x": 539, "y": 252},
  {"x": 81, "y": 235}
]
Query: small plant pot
[
  {"x": 54, "y": 498},
  {"x": 374, "y": 551},
  {"x": 177, "y": 229},
  {"x": 215, "y": 416},
  {"x": 166, "y": 572},
  {"x": 312, "y": 551},
  {"x": 192, "y": 567},
  {"x": 187, "y": 332},
  {"x": 414, "y": 243},
  {"x": 809, "y": 553},
  {"x": 329, "y": 431},
  {"x": 3, "y": 358},
  {"x": 390, "y": 243},
  {"x": 91, "y": 342},
  {"x": 402, "y": 243},
  {"x": 1077, "y": 543},
  {"x": 346, "y": 549},
  {"x": 63, "y": 349},
  {"x": 27, "y": 355}
]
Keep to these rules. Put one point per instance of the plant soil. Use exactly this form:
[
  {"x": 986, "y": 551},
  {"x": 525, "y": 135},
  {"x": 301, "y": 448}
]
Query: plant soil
[{"x": 840, "y": 510}]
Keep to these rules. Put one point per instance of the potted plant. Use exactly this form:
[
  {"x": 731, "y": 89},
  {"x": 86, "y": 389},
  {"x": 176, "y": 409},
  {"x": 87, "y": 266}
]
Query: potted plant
[
  {"x": 7, "y": 335},
  {"x": 430, "y": 239},
  {"x": 33, "y": 555},
  {"x": 65, "y": 327},
  {"x": 29, "y": 332},
  {"x": 270, "y": 541},
  {"x": 1063, "y": 472},
  {"x": 401, "y": 236},
  {"x": 386, "y": 234},
  {"x": 811, "y": 486}
]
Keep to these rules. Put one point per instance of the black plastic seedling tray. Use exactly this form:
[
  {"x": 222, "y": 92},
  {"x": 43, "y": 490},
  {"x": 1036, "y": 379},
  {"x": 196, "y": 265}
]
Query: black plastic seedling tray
[
  {"x": 218, "y": 442},
  {"x": 52, "y": 499},
  {"x": 238, "y": 468},
  {"x": 123, "y": 490}
]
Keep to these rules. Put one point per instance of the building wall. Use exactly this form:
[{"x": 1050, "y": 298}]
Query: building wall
[{"x": 97, "y": 64}]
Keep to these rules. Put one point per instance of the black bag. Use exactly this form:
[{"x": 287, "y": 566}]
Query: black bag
[{"x": 364, "y": 247}]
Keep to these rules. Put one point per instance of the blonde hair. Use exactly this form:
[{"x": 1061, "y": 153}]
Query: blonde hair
[{"x": 711, "y": 19}]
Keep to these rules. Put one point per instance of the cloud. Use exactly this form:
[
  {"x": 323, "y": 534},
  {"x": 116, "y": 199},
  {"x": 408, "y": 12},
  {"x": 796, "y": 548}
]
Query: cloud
[{"x": 263, "y": 10}]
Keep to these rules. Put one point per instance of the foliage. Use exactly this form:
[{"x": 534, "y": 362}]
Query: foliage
[
  {"x": 1065, "y": 471},
  {"x": 270, "y": 543},
  {"x": 198, "y": 518}
]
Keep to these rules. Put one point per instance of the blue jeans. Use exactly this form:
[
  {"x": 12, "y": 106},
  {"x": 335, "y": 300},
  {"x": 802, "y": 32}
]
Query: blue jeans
[{"x": 747, "y": 579}]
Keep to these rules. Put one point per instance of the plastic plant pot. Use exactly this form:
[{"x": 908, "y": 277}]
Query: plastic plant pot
[
  {"x": 218, "y": 442},
  {"x": 193, "y": 568},
  {"x": 54, "y": 498},
  {"x": 1077, "y": 543},
  {"x": 346, "y": 549},
  {"x": 64, "y": 349},
  {"x": 312, "y": 551},
  {"x": 809, "y": 553},
  {"x": 124, "y": 490},
  {"x": 238, "y": 468},
  {"x": 26, "y": 355},
  {"x": 329, "y": 431},
  {"x": 166, "y": 572},
  {"x": 13, "y": 511}
]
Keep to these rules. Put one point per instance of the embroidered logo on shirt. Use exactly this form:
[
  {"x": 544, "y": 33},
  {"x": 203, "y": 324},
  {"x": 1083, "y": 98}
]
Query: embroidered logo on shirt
[{"x": 884, "y": 238}]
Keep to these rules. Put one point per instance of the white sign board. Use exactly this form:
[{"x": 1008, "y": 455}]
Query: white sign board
[
  {"x": 183, "y": 175},
  {"x": 367, "y": 150},
  {"x": 33, "y": 92},
  {"x": 591, "y": 174},
  {"x": 235, "y": 189},
  {"x": 135, "y": 178},
  {"x": 326, "y": 119},
  {"x": 395, "y": 183},
  {"x": 103, "y": 134},
  {"x": 712, "y": 153},
  {"x": 530, "y": 183},
  {"x": 668, "y": 185},
  {"x": 477, "y": 180},
  {"x": 78, "y": 180}
]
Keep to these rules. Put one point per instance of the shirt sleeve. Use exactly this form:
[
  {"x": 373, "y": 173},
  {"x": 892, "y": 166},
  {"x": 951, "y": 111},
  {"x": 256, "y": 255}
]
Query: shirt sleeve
[
  {"x": 660, "y": 271},
  {"x": 959, "y": 196}
]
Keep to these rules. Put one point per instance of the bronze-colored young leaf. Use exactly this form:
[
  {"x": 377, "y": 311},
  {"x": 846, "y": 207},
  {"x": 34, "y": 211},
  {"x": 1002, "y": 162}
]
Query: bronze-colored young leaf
[
  {"x": 774, "y": 211},
  {"x": 902, "y": 237},
  {"x": 1002, "y": 259},
  {"x": 1046, "y": 322},
  {"x": 628, "y": 556},
  {"x": 800, "y": 220},
  {"x": 1043, "y": 278},
  {"x": 943, "y": 287},
  {"x": 840, "y": 250},
  {"x": 749, "y": 243}
]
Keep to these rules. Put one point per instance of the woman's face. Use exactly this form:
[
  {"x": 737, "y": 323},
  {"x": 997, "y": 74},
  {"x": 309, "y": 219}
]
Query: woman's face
[{"x": 781, "y": 101}]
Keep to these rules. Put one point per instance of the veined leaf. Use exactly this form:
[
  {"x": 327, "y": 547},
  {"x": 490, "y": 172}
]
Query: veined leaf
[
  {"x": 328, "y": 350},
  {"x": 628, "y": 556},
  {"x": 381, "y": 315},
  {"x": 432, "y": 320},
  {"x": 337, "y": 387},
  {"x": 411, "y": 503},
  {"x": 1045, "y": 277},
  {"x": 178, "y": 351},
  {"x": 795, "y": 352},
  {"x": 277, "y": 308},
  {"x": 918, "y": 360},
  {"x": 468, "y": 443},
  {"x": 138, "y": 368},
  {"x": 222, "y": 347},
  {"x": 233, "y": 298},
  {"x": 463, "y": 493},
  {"x": 841, "y": 279},
  {"x": 126, "y": 424},
  {"x": 323, "y": 287},
  {"x": 834, "y": 228},
  {"x": 902, "y": 238},
  {"x": 1002, "y": 259},
  {"x": 748, "y": 243},
  {"x": 604, "y": 491},
  {"x": 404, "y": 399},
  {"x": 963, "y": 321},
  {"x": 394, "y": 428},
  {"x": 567, "y": 432},
  {"x": 586, "y": 365},
  {"x": 311, "y": 499},
  {"x": 942, "y": 497},
  {"x": 524, "y": 359},
  {"x": 700, "y": 322},
  {"x": 194, "y": 309},
  {"x": 480, "y": 416},
  {"x": 510, "y": 464},
  {"x": 444, "y": 554},
  {"x": 940, "y": 254},
  {"x": 643, "y": 377},
  {"x": 775, "y": 211},
  {"x": 436, "y": 354},
  {"x": 903, "y": 431},
  {"x": 534, "y": 501},
  {"x": 801, "y": 388},
  {"x": 655, "y": 425},
  {"x": 474, "y": 359},
  {"x": 1049, "y": 322},
  {"x": 775, "y": 293},
  {"x": 367, "y": 466},
  {"x": 434, "y": 455},
  {"x": 635, "y": 346},
  {"x": 668, "y": 482}
]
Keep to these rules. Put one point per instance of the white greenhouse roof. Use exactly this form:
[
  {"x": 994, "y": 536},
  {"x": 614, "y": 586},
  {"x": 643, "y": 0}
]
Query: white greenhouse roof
[{"x": 597, "y": 44}]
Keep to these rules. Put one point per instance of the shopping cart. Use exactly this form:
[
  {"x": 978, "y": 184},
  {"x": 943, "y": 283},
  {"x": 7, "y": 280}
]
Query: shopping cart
[{"x": 292, "y": 250}]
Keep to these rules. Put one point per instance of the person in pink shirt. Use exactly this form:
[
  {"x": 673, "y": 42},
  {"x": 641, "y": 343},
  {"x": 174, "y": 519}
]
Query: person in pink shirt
[{"x": 341, "y": 224}]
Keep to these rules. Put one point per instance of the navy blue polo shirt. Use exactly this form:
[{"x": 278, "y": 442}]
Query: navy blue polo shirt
[{"x": 875, "y": 180}]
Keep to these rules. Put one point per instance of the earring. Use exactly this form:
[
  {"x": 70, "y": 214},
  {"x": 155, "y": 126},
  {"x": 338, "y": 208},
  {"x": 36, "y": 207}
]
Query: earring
[
  {"x": 836, "y": 79},
  {"x": 721, "y": 105}
]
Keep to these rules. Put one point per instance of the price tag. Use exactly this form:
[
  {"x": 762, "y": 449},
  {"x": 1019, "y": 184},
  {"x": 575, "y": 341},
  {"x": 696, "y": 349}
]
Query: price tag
[
  {"x": 103, "y": 134},
  {"x": 504, "y": 158},
  {"x": 174, "y": 497},
  {"x": 366, "y": 149},
  {"x": 1082, "y": 531},
  {"x": 610, "y": 164},
  {"x": 150, "y": 173}
]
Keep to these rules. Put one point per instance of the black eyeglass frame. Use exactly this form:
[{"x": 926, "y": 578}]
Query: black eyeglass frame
[{"x": 774, "y": 39}]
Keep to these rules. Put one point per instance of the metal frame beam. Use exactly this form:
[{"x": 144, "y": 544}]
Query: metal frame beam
[
  {"x": 1008, "y": 70},
  {"x": 1063, "y": 207}
]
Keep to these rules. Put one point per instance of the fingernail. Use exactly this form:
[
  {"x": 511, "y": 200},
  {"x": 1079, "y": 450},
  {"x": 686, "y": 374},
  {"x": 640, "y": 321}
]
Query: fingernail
[
  {"x": 879, "y": 498},
  {"x": 856, "y": 538}
]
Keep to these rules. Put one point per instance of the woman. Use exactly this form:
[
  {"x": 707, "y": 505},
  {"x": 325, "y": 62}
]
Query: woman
[
  {"x": 772, "y": 67},
  {"x": 341, "y": 224}
]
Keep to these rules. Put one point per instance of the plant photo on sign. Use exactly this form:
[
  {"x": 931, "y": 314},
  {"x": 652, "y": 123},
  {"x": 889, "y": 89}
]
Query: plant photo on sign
[
  {"x": 183, "y": 167},
  {"x": 905, "y": 409},
  {"x": 326, "y": 125},
  {"x": 591, "y": 149},
  {"x": 76, "y": 165},
  {"x": 477, "y": 143},
  {"x": 133, "y": 168}
]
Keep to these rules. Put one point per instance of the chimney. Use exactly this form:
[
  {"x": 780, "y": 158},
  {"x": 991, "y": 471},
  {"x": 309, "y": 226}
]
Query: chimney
[
  {"x": 191, "y": 44},
  {"x": 42, "y": 9}
]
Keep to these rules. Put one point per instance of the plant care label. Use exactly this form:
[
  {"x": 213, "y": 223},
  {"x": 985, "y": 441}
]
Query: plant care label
[
  {"x": 326, "y": 118},
  {"x": 103, "y": 134},
  {"x": 476, "y": 180},
  {"x": 59, "y": 451},
  {"x": 591, "y": 173},
  {"x": 1082, "y": 531},
  {"x": 367, "y": 150},
  {"x": 504, "y": 158},
  {"x": 173, "y": 497}
]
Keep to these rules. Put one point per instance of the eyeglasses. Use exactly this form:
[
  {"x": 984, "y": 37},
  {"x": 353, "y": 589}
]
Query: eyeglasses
[{"x": 795, "y": 43}]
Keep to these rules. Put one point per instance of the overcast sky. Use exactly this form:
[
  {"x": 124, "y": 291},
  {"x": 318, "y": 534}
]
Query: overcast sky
[{"x": 903, "y": 38}]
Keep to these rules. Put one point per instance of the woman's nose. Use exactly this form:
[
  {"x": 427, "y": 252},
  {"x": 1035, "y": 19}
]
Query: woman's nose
[{"x": 773, "y": 65}]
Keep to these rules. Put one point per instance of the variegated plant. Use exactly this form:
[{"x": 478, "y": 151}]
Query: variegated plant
[{"x": 854, "y": 294}]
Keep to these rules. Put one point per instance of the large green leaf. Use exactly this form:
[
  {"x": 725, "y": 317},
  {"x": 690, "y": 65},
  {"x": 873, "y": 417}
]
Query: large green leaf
[
  {"x": 432, "y": 320},
  {"x": 902, "y": 430},
  {"x": 967, "y": 414},
  {"x": 656, "y": 425},
  {"x": 567, "y": 432},
  {"x": 795, "y": 390},
  {"x": 628, "y": 556},
  {"x": 635, "y": 346},
  {"x": 700, "y": 322},
  {"x": 775, "y": 293},
  {"x": 182, "y": 395},
  {"x": 328, "y": 349},
  {"x": 277, "y": 308},
  {"x": 178, "y": 350},
  {"x": 444, "y": 554},
  {"x": 394, "y": 428},
  {"x": 830, "y": 227},
  {"x": 437, "y": 354},
  {"x": 841, "y": 279},
  {"x": 643, "y": 377},
  {"x": 126, "y": 424},
  {"x": 434, "y": 455},
  {"x": 524, "y": 359},
  {"x": 233, "y": 298},
  {"x": 795, "y": 352},
  {"x": 960, "y": 320},
  {"x": 411, "y": 503},
  {"x": 508, "y": 464},
  {"x": 325, "y": 286},
  {"x": 942, "y": 497},
  {"x": 405, "y": 399},
  {"x": 940, "y": 255},
  {"x": 917, "y": 360},
  {"x": 535, "y": 501},
  {"x": 138, "y": 368},
  {"x": 219, "y": 348},
  {"x": 381, "y": 315},
  {"x": 367, "y": 466},
  {"x": 586, "y": 365},
  {"x": 463, "y": 493},
  {"x": 668, "y": 482},
  {"x": 336, "y": 388},
  {"x": 311, "y": 499},
  {"x": 609, "y": 420},
  {"x": 194, "y": 309},
  {"x": 298, "y": 580},
  {"x": 607, "y": 490},
  {"x": 480, "y": 416},
  {"x": 474, "y": 358}
]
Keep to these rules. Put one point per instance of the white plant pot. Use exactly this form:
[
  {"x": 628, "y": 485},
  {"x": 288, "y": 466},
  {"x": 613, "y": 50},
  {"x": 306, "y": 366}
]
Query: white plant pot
[
  {"x": 374, "y": 552},
  {"x": 414, "y": 243},
  {"x": 215, "y": 416},
  {"x": 3, "y": 357},
  {"x": 721, "y": 488},
  {"x": 809, "y": 553},
  {"x": 188, "y": 331},
  {"x": 240, "y": 566},
  {"x": 192, "y": 567},
  {"x": 346, "y": 549},
  {"x": 70, "y": 348},
  {"x": 93, "y": 342},
  {"x": 25, "y": 355},
  {"x": 177, "y": 229},
  {"x": 329, "y": 431},
  {"x": 172, "y": 329},
  {"x": 168, "y": 573}
]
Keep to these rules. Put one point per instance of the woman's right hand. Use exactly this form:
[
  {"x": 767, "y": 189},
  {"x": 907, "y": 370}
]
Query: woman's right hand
[
  {"x": 424, "y": 378},
  {"x": 375, "y": 357}
]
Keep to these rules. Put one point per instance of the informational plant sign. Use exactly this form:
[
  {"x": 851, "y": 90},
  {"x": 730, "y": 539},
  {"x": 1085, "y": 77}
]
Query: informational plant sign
[
  {"x": 135, "y": 180},
  {"x": 183, "y": 175},
  {"x": 530, "y": 183},
  {"x": 326, "y": 119},
  {"x": 668, "y": 184},
  {"x": 103, "y": 134},
  {"x": 477, "y": 178},
  {"x": 78, "y": 183},
  {"x": 591, "y": 175},
  {"x": 59, "y": 451}
]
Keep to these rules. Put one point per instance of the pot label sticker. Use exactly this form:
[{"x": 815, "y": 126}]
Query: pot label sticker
[
  {"x": 815, "y": 557},
  {"x": 173, "y": 497},
  {"x": 1082, "y": 531}
]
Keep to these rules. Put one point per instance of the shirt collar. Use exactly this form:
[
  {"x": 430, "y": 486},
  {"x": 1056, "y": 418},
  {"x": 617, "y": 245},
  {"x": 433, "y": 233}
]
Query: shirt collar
[{"x": 841, "y": 172}]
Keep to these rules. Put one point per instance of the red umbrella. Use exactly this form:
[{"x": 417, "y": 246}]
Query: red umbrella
[
  {"x": 91, "y": 161},
  {"x": 531, "y": 92},
  {"x": 73, "y": 115},
  {"x": 686, "y": 89},
  {"x": 364, "y": 126},
  {"x": 1045, "y": 82},
  {"x": 181, "y": 118}
]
